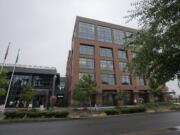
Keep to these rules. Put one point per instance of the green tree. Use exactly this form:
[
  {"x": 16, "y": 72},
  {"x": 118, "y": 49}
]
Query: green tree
[
  {"x": 3, "y": 81},
  {"x": 27, "y": 94},
  {"x": 158, "y": 40},
  {"x": 121, "y": 97},
  {"x": 84, "y": 89},
  {"x": 155, "y": 89}
]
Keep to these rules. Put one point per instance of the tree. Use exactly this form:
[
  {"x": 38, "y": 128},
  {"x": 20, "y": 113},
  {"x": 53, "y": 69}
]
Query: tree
[
  {"x": 84, "y": 89},
  {"x": 121, "y": 97},
  {"x": 27, "y": 94},
  {"x": 158, "y": 40},
  {"x": 155, "y": 88},
  {"x": 3, "y": 81}
]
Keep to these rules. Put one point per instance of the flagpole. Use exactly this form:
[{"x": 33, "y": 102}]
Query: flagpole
[
  {"x": 2, "y": 65},
  {"x": 9, "y": 87},
  {"x": 5, "y": 57}
]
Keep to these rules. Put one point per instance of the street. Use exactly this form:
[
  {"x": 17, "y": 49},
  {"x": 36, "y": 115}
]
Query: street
[{"x": 133, "y": 124}]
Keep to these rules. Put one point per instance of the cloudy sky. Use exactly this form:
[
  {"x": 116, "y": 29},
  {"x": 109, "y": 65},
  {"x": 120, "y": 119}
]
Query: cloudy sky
[{"x": 43, "y": 29}]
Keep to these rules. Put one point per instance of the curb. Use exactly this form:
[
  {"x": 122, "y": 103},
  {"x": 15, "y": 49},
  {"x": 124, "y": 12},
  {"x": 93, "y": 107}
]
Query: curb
[
  {"x": 45, "y": 120},
  {"x": 81, "y": 118}
]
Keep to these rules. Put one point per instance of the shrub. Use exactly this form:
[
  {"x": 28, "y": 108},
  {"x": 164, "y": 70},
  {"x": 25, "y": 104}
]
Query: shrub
[
  {"x": 133, "y": 110},
  {"x": 22, "y": 110},
  {"x": 33, "y": 110},
  {"x": 15, "y": 114},
  {"x": 34, "y": 114},
  {"x": 48, "y": 114},
  {"x": 30, "y": 114},
  {"x": 112, "y": 112},
  {"x": 63, "y": 114},
  {"x": 175, "y": 108}
]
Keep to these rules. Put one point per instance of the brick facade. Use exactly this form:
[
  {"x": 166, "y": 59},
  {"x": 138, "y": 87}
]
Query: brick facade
[{"x": 73, "y": 67}]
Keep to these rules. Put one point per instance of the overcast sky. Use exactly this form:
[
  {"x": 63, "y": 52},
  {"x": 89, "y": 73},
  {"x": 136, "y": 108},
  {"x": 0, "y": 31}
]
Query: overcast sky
[{"x": 43, "y": 29}]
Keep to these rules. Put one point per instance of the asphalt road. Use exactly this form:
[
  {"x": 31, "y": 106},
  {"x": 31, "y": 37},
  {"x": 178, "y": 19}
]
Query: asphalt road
[{"x": 134, "y": 124}]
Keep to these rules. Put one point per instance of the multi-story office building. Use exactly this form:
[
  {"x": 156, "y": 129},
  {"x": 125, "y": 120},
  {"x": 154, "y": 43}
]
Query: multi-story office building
[
  {"x": 44, "y": 80},
  {"x": 99, "y": 48}
]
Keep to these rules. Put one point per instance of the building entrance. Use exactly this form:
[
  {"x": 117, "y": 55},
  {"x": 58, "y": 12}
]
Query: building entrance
[{"x": 108, "y": 97}]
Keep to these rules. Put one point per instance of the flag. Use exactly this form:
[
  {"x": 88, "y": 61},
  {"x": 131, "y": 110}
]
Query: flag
[
  {"x": 7, "y": 51},
  {"x": 17, "y": 56}
]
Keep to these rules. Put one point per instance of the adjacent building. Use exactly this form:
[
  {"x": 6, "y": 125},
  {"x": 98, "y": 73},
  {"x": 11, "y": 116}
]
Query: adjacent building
[
  {"x": 99, "y": 48},
  {"x": 62, "y": 93},
  {"x": 44, "y": 80}
]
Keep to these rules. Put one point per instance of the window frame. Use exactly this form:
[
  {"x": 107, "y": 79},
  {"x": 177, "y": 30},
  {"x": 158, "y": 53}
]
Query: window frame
[
  {"x": 86, "y": 52},
  {"x": 86, "y": 30},
  {"x": 87, "y": 61},
  {"x": 126, "y": 80},
  {"x": 119, "y": 37},
  {"x": 104, "y": 52},
  {"x": 106, "y": 65},
  {"x": 104, "y": 34},
  {"x": 120, "y": 54},
  {"x": 107, "y": 78}
]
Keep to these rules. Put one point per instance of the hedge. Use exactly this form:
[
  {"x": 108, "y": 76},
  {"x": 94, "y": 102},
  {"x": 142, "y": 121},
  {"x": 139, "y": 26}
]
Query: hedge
[
  {"x": 16, "y": 114},
  {"x": 175, "y": 108},
  {"x": 112, "y": 112},
  {"x": 61, "y": 115},
  {"x": 133, "y": 110},
  {"x": 125, "y": 110},
  {"x": 31, "y": 114}
]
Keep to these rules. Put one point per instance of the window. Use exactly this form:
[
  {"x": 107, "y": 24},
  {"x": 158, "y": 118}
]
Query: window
[
  {"x": 85, "y": 73},
  {"x": 104, "y": 34},
  {"x": 62, "y": 85},
  {"x": 122, "y": 54},
  {"x": 105, "y": 52},
  {"x": 85, "y": 49},
  {"x": 106, "y": 65},
  {"x": 119, "y": 37},
  {"x": 134, "y": 54},
  {"x": 128, "y": 36},
  {"x": 140, "y": 80},
  {"x": 86, "y": 30},
  {"x": 108, "y": 79},
  {"x": 86, "y": 63},
  {"x": 123, "y": 66},
  {"x": 21, "y": 80},
  {"x": 125, "y": 79},
  {"x": 42, "y": 81}
]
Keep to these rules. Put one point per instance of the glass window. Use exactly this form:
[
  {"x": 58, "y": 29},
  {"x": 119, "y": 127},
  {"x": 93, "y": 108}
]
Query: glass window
[
  {"x": 86, "y": 30},
  {"x": 86, "y": 63},
  {"x": 140, "y": 80},
  {"x": 106, "y": 65},
  {"x": 104, "y": 34},
  {"x": 62, "y": 85},
  {"x": 21, "y": 80},
  {"x": 125, "y": 79},
  {"x": 85, "y": 49},
  {"x": 108, "y": 79},
  {"x": 84, "y": 73},
  {"x": 42, "y": 81},
  {"x": 119, "y": 37},
  {"x": 129, "y": 36},
  {"x": 105, "y": 52},
  {"x": 122, "y": 54},
  {"x": 123, "y": 66},
  {"x": 134, "y": 54}
]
